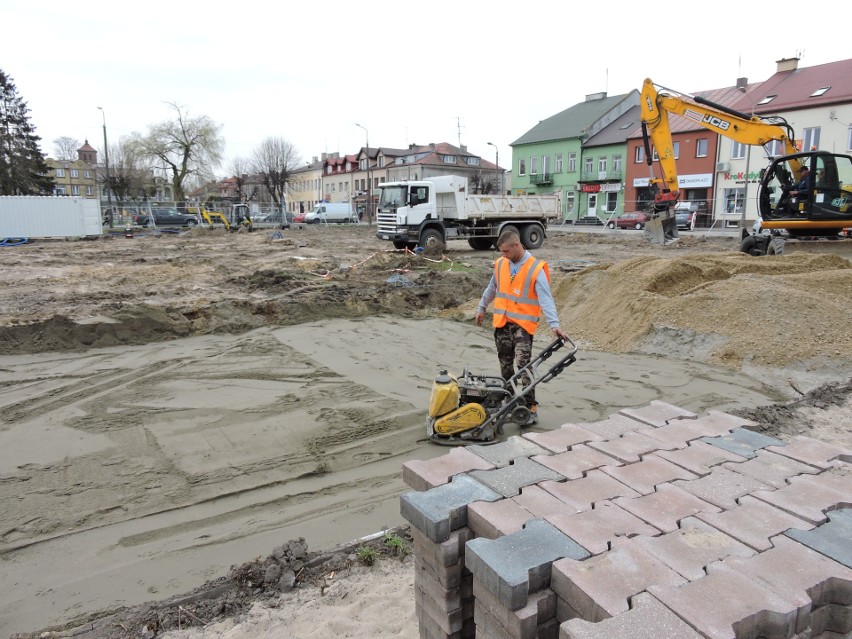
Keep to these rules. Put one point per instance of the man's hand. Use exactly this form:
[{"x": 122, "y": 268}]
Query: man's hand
[
  {"x": 558, "y": 332},
  {"x": 479, "y": 317}
]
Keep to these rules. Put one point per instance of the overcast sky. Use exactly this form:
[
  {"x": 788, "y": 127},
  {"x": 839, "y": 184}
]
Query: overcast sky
[{"x": 463, "y": 71}]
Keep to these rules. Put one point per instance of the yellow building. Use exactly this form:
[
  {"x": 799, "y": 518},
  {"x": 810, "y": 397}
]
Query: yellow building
[{"x": 78, "y": 177}]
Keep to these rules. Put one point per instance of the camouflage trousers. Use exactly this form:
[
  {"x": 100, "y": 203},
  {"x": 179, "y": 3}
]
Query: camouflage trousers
[{"x": 514, "y": 348}]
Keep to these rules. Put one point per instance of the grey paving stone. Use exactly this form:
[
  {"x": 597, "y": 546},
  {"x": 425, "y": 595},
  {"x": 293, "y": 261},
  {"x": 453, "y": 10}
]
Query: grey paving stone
[
  {"x": 509, "y": 480},
  {"x": 516, "y": 565},
  {"x": 833, "y": 539},
  {"x": 742, "y": 441},
  {"x": 438, "y": 511},
  {"x": 506, "y": 452}
]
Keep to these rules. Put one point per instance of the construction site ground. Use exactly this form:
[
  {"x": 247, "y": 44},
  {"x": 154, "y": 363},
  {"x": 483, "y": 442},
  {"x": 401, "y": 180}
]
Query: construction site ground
[{"x": 176, "y": 405}]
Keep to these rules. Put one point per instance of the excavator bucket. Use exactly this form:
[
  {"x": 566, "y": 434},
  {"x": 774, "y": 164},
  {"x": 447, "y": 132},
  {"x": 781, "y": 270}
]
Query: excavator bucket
[{"x": 662, "y": 227}]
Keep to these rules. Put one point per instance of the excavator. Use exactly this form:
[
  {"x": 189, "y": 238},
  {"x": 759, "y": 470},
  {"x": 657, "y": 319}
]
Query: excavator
[
  {"x": 239, "y": 217},
  {"x": 823, "y": 211}
]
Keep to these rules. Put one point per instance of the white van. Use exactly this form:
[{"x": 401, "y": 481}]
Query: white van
[{"x": 338, "y": 212}]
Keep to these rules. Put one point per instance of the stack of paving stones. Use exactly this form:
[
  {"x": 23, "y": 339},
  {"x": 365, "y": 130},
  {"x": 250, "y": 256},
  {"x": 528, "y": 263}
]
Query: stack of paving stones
[{"x": 652, "y": 523}]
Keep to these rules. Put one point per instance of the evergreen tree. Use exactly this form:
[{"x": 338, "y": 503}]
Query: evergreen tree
[{"x": 23, "y": 170}]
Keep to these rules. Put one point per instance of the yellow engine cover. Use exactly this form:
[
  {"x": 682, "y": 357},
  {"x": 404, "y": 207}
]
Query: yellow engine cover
[
  {"x": 460, "y": 420},
  {"x": 444, "y": 398}
]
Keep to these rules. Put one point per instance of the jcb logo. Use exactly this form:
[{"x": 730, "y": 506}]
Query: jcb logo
[{"x": 712, "y": 120}]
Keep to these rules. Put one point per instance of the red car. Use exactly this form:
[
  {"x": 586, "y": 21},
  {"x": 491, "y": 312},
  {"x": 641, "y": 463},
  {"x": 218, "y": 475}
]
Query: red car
[
  {"x": 299, "y": 218},
  {"x": 629, "y": 221}
]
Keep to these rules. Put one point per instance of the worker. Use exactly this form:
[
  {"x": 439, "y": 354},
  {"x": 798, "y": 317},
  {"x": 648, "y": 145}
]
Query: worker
[
  {"x": 520, "y": 290},
  {"x": 803, "y": 186}
]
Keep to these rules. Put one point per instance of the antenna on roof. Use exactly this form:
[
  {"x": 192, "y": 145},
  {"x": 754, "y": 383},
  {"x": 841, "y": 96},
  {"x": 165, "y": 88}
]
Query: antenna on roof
[{"x": 459, "y": 127}]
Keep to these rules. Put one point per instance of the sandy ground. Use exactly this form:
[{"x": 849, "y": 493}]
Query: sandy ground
[{"x": 174, "y": 406}]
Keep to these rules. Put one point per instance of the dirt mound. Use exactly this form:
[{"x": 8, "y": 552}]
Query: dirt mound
[{"x": 770, "y": 312}]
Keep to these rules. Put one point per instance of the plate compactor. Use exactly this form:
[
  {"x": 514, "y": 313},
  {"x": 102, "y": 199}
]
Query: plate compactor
[{"x": 472, "y": 408}]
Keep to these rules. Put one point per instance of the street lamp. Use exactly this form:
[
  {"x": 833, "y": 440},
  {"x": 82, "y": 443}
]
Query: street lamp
[
  {"x": 106, "y": 165},
  {"x": 497, "y": 162},
  {"x": 369, "y": 178}
]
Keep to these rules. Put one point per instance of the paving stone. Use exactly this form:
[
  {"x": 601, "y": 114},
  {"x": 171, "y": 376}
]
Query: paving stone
[
  {"x": 699, "y": 458},
  {"x": 426, "y": 474},
  {"x": 754, "y": 522},
  {"x": 722, "y": 487},
  {"x": 540, "y": 502},
  {"x": 832, "y": 620},
  {"x": 447, "y": 600},
  {"x": 679, "y": 432},
  {"x": 771, "y": 468},
  {"x": 446, "y": 553},
  {"x": 509, "y": 480},
  {"x": 810, "y": 496},
  {"x": 613, "y": 426},
  {"x": 516, "y": 565},
  {"x": 582, "y": 493},
  {"x": 657, "y": 413},
  {"x": 562, "y": 438},
  {"x": 834, "y": 539},
  {"x": 595, "y": 529},
  {"x": 574, "y": 463},
  {"x": 495, "y": 519},
  {"x": 724, "y": 598},
  {"x": 438, "y": 511},
  {"x": 524, "y": 622},
  {"x": 645, "y": 475},
  {"x": 601, "y": 587},
  {"x": 743, "y": 442},
  {"x": 798, "y": 574},
  {"x": 666, "y": 507},
  {"x": 813, "y": 452},
  {"x": 647, "y": 618},
  {"x": 629, "y": 447},
  {"x": 506, "y": 452},
  {"x": 449, "y": 577},
  {"x": 692, "y": 547}
]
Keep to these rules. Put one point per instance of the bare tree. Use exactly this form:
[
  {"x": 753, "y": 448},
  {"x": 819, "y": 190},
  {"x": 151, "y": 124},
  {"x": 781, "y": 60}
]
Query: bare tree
[
  {"x": 130, "y": 178},
  {"x": 274, "y": 161},
  {"x": 187, "y": 148},
  {"x": 240, "y": 169},
  {"x": 66, "y": 148}
]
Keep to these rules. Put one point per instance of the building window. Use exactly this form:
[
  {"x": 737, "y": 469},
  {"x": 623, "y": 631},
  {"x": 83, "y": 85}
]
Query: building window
[
  {"x": 533, "y": 165},
  {"x": 572, "y": 162},
  {"x": 773, "y": 149},
  {"x": 87, "y": 175},
  {"x": 448, "y": 159},
  {"x": 522, "y": 167},
  {"x": 616, "y": 163},
  {"x": 602, "y": 165},
  {"x": 75, "y": 189},
  {"x": 362, "y": 164},
  {"x": 74, "y": 173},
  {"x": 59, "y": 190},
  {"x": 569, "y": 202},
  {"x": 382, "y": 162},
  {"x": 738, "y": 151},
  {"x": 90, "y": 190},
  {"x": 588, "y": 163},
  {"x": 611, "y": 201},
  {"x": 60, "y": 173},
  {"x": 472, "y": 160},
  {"x": 545, "y": 164},
  {"x": 701, "y": 148},
  {"x": 640, "y": 155},
  {"x": 811, "y": 139},
  {"x": 676, "y": 150},
  {"x": 557, "y": 164},
  {"x": 734, "y": 201},
  {"x": 849, "y": 139}
]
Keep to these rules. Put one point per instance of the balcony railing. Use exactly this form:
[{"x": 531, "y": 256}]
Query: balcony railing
[
  {"x": 541, "y": 178},
  {"x": 601, "y": 176}
]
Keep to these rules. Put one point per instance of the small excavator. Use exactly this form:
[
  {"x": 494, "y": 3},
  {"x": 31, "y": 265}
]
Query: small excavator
[
  {"x": 825, "y": 212},
  {"x": 239, "y": 217},
  {"x": 472, "y": 408}
]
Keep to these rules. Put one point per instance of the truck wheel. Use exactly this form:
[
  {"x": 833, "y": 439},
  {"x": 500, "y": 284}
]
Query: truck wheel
[
  {"x": 532, "y": 236},
  {"x": 509, "y": 228},
  {"x": 480, "y": 243},
  {"x": 430, "y": 238},
  {"x": 776, "y": 246}
]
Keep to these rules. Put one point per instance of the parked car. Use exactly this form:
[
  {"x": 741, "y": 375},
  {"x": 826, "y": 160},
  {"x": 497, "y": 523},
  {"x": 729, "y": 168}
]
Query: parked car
[
  {"x": 629, "y": 221},
  {"x": 281, "y": 220},
  {"x": 685, "y": 215},
  {"x": 299, "y": 218},
  {"x": 167, "y": 217}
]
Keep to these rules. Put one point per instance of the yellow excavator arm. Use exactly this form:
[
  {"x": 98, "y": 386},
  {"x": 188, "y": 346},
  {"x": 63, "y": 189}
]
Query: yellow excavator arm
[{"x": 656, "y": 105}]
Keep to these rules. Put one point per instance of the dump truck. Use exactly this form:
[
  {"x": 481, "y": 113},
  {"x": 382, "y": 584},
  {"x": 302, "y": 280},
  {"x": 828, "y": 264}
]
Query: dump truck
[{"x": 428, "y": 213}]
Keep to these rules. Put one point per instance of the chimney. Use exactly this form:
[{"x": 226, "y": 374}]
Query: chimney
[
  {"x": 315, "y": 160},
  {"x": 324, "y": 157},
  {"x": 787, "y": 64},
  {"x": 463, "y": 148},
  {"x": 742, "y": 84},
  {"x": 596, "y": 96}
]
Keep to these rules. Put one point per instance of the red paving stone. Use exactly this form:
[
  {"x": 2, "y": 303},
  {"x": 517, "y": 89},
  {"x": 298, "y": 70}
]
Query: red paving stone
[
  {"x": 574, "y": 463},
  {"x": 699, "y": 457},
  {"x": 563, "y": 438},
  {"x": 665, "y": 508},
  {"x": 813, "y": 452},
  {"x": 581, "y": 493},
  {"x": 497, "y": 518},
  {"x": 595, "y": 529},
  {"x": 644, "y": 476},
  {"x": 629, "y": 448},
  {"x": 809, "y": 497},
  {"x": 425, "y": 474}
]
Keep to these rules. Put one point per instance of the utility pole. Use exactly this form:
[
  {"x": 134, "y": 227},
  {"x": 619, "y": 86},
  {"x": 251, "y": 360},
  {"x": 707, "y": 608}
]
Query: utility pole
[
  {"x": 497, "y": 162},
  {"x": 110, "y": 212}
]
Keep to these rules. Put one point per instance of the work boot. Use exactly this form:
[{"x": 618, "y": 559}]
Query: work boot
[{"x": 533, "y": 415}]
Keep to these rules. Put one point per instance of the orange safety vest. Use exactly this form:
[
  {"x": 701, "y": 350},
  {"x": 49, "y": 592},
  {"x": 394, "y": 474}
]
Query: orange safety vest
[{"x": 516, "y": 299}]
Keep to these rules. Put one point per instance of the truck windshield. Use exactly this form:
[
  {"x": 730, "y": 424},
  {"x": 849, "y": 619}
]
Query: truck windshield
[{"x": 393, "y": 196}]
